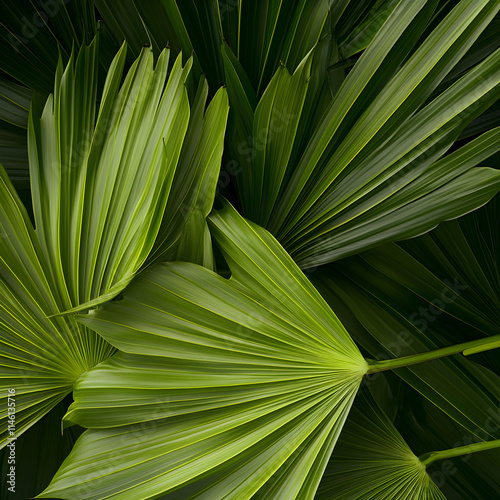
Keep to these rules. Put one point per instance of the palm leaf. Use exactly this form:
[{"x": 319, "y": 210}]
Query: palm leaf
[
  {"x": 99, "y": 194},
  {"x": 287, "y": 32},
  {"x": 436, "y": 290},
  {"x": 372, "y": 460},
  {"x": 41, "y": 357},
  {"x": 32, "y": 34},
  {"x": 238, "y": 387},
  {"x": 363, "y": 178},
  {"x": 445, "y": 189},
  {"x": 425, "y": 427}
]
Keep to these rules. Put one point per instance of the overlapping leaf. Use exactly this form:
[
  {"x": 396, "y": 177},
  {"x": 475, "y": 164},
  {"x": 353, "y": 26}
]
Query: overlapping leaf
[
  {"x": 239, "y": 388},
  {"x": 373, "y": 169},
  {"x": 441, "y": 290},
  {"x": 226, "y": 388},
  {"x": 41, "y": 357},
  {"x": 100, "y": 185},
  {"x": 372, "y": 460},
  {"x": 420, "y": 81},
  {"x": 100, "y": 190}
]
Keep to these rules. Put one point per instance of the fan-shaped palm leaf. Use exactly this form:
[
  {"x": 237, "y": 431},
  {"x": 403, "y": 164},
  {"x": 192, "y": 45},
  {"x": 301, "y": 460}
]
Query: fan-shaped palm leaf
[
  {"x": 436, "y": 290},
  {"x": 425, "y": 427},
  {"x": 99, "y": 186},
  {"x": 41, "y": 357},
  {"x": 373, "y": 169},
  {"x": 234, "y": 388},
  {"x": 372, "y": 460},
  {"x": 100, "y": 190},
  {"x": 239, "y": 387}
]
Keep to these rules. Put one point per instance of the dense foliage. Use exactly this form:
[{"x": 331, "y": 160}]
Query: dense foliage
[{"x": 250, "y": 249}]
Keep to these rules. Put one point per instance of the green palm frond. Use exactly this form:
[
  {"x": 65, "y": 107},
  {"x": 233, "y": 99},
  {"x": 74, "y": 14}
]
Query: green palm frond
[
  {"x": 372, "y": 460},
  {"x": 98, "y": 198},
  {"x": 239, "y": 387},
  {"x": 100, "y": 185},
  {"x": 426, "y": 427},
  {"x": 330, "y": 330},
  {"x": 433, "y": 291},
  {"x": 41, "y": 358},
  {"x": 427, "y": 70},
  {"x": 365, "y": 176}
]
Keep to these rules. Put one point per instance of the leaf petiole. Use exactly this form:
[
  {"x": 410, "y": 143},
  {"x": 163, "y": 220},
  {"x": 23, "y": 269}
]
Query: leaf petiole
[{"x": 465, "y": 348}]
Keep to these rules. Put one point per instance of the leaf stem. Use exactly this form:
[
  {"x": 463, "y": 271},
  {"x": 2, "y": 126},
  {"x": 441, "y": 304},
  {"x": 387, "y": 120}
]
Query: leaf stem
[
  {"x": 466, "y": 348},
  {"x": 428, "y": 458}
]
